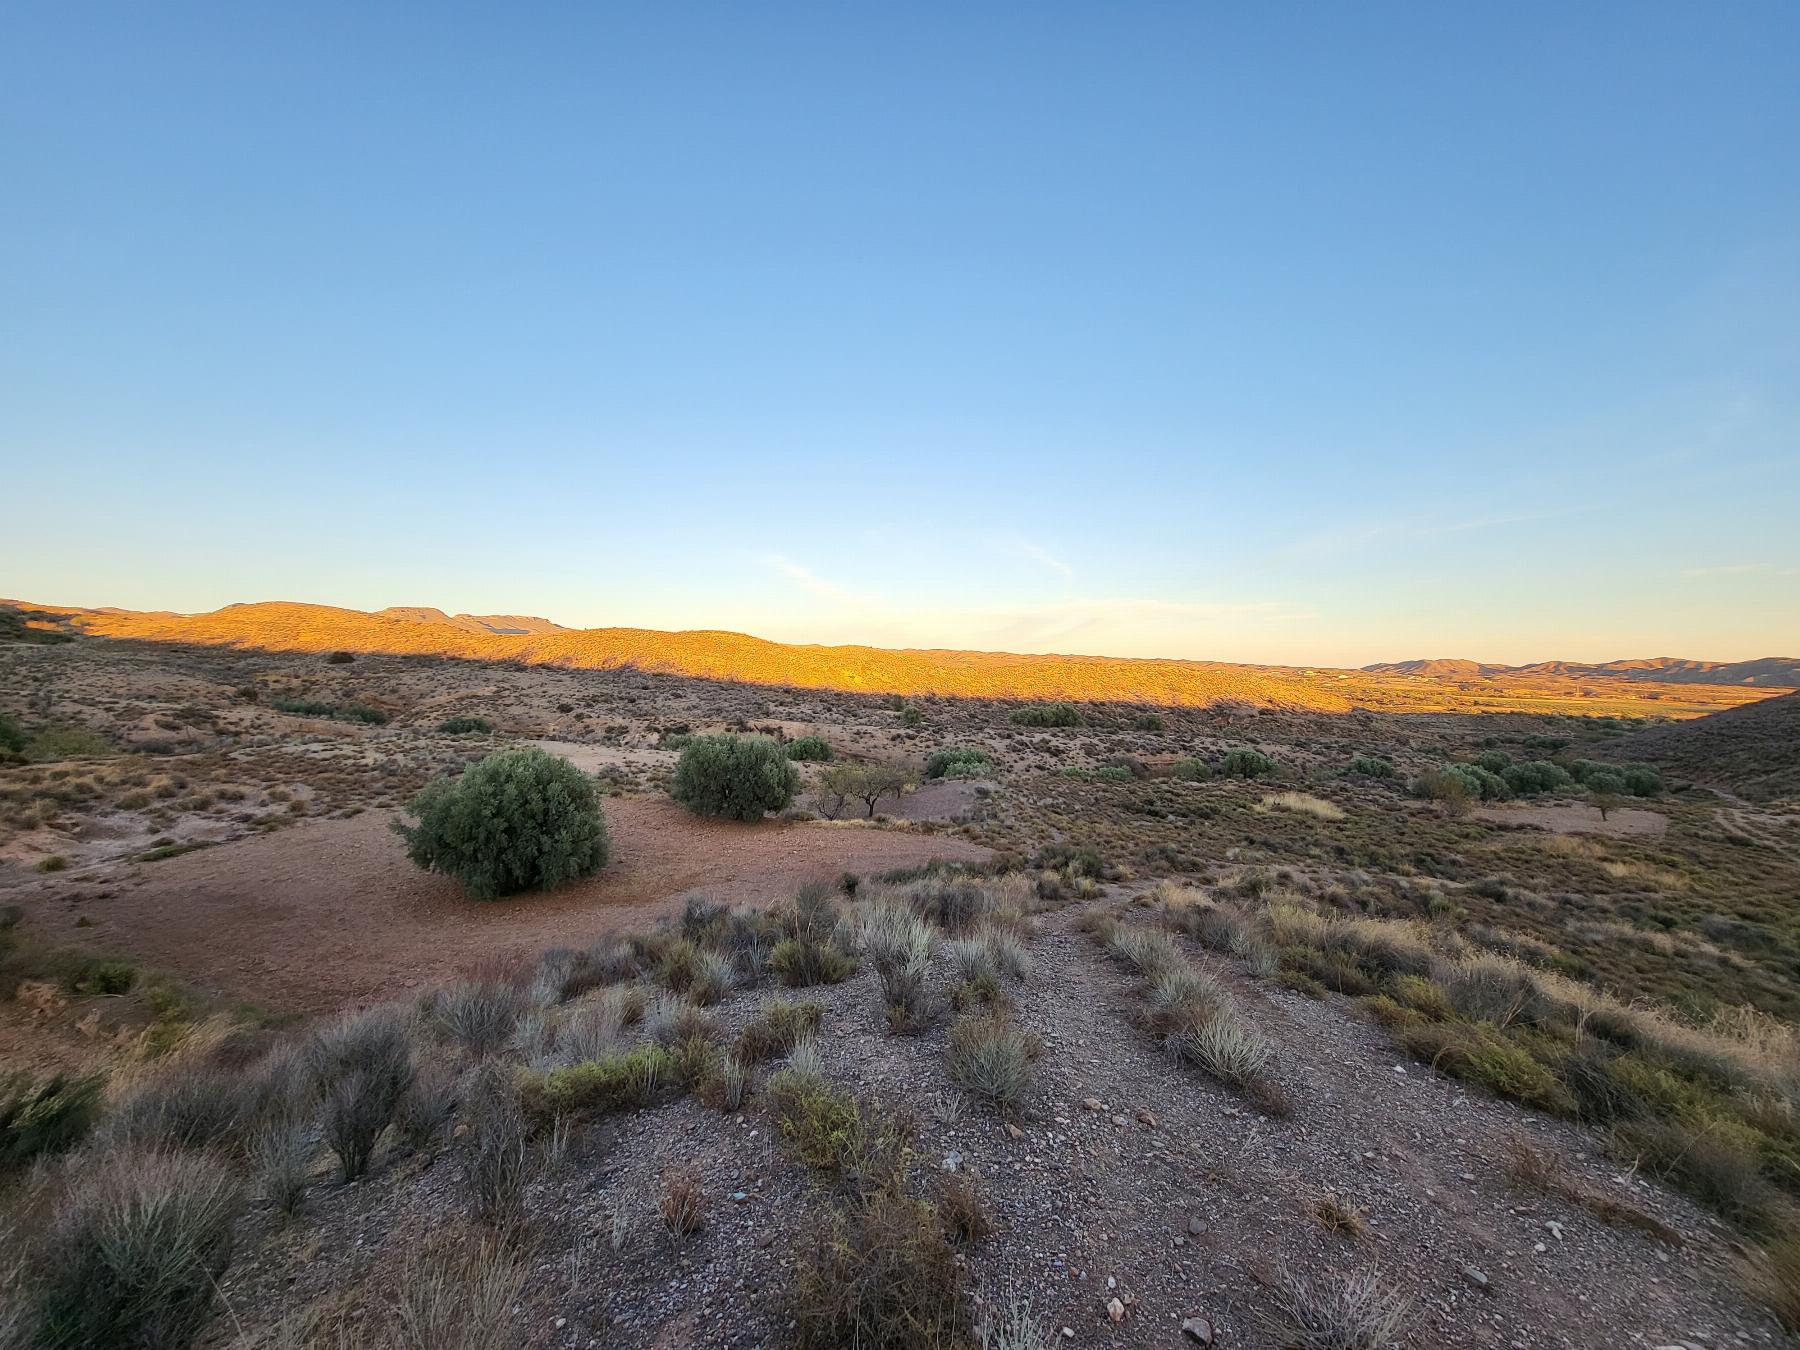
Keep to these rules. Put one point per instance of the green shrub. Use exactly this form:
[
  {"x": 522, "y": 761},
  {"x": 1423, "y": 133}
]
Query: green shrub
[
  {"x": 1046, "y": 715},
  {"x": 1190, "y": 770},
  {"x": 1146, "y": 722},
  {"x": 911, "y": 717},
  {"x": 820, "y": 1120},
  {"x": 1494, "y": 761},
  {"x": 962, "y": 761},
  {"x": 780, "y": 1026},
  {"x": 1370, "y": 766},
  {"x": 515, "y": 821},
  {"x": 12, "y": 735},
  {"x": 616, "y": 1082},
  {"x": 737, "y": 777},
  {"x": 134, "y": 1254},
  {"x": 340, "y": 658},
  {"x": 1476, "y": 1054},
  {"x": 38, "y": 1118},
  {"x": 811, "y": 749},
  {"x": 298, "y": 707},
  {"x": 1643, "y": 781},
  {"x": 362, "y": 712},
  {"x": 1244, "y": 762},
  {"x": 991, "y": 1057},
  {"x": 463, "y": 726},
  {"x": 1479, "y": 782},
  {"x": 1534, "y": 776},
  {"x": 1113, "y": 773},
  {"x": 797, "y": 963},
  {"x": 882, "y": 1273}
]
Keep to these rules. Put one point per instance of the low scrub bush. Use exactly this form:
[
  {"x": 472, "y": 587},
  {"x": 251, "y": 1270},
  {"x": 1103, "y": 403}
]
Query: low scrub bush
[
  {"x": 959, "y": 762},
  {"x": 498, "y": 1162},
  {"x": 134, "y": 1254},
  {"x": 465, "y": 726},
  {"x": 778, "y": 1027},
  {"x": 1329, "y": 1312},
  {"x": 899, "y": 944},
  {"x": 1370, "y": 766},
  {"x": 882, "y": 1274},
  {"x": 39, "y": 1118},
  {"x": 991, "y": 1057},
  {"x": 1190, "y": 770},
  {"x": 1046, "y": 715},
  {"x": 734, "y": 777},
  {"x": 810, "y": 749},
  {"x": 1146, "y": 722},
  {"x": 520, "y": 820},
  {"x": 1535, "y": 776},
  {"x": 618, "y": 1081},
  {"x": 479, "y": 1016},
  {"x": 1244, "y": 762}
]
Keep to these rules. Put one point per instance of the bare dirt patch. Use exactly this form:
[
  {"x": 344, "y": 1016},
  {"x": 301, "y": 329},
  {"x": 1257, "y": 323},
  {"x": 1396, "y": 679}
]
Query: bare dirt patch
[
  {"x": 1578, "y": 819},
  {"x": 330, "y": 912}
]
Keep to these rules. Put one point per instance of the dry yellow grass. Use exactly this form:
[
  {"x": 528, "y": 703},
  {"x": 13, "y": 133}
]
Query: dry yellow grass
[
  {"x": 283, "y": 626},
  {"x": 1302, "y": 802}
]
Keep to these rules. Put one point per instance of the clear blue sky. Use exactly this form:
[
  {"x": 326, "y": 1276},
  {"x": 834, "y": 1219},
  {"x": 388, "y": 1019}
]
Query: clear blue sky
[{"x": 1309, "y": 333}]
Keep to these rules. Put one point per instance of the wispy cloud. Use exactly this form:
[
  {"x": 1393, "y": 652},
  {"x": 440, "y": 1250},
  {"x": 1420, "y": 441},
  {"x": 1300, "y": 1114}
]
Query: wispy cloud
[
  {"x": 1020, "y": 547},
  {"x": 812, "y": 583},
  {"x": 1352, "y": 538},
  {"x": 1740, "y": 570}
]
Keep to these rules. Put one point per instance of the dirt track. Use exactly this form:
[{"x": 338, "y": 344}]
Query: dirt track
[{"x": 331, "y": 912}]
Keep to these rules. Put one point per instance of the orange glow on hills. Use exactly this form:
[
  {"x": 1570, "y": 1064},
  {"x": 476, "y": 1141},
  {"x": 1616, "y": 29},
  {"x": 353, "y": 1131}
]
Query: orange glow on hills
[{"x": 288, "y": 627}]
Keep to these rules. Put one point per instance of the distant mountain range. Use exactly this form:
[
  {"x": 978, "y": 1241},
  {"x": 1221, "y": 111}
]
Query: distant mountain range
[
  {"x": 1622, "y": 689},
  {"x": 507, "y": 625},
  {"x": 1767, "y": 672}
]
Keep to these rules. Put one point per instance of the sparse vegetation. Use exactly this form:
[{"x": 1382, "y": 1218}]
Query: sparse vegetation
[{"x": 1046, "y": 715}]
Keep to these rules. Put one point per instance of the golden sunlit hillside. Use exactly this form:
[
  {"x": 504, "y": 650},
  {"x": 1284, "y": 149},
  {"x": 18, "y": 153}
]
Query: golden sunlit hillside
[{"x": 288, "y": 627}]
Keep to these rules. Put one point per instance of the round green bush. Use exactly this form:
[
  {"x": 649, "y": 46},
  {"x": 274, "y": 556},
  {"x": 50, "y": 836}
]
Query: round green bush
[
  {"x": 1538, "y": 775},
  {"x": 521, "y": 820},
  {"x": 1244, "y": 762},
  {"x": 959, "y": 761},
  {"x": 738, "y": 777},
  {"x": 1643, "y": 781},
  {"x": 815, "y": 749},
  {"x": 1482, "y": 783},
  {"x": 1370, "y": 766}
]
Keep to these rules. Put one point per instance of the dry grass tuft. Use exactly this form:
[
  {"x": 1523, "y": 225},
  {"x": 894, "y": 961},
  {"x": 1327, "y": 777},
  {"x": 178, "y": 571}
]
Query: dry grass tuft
[
  {"x": 1357, "y": 1312},
  {"x": 1302, "y": 803}
]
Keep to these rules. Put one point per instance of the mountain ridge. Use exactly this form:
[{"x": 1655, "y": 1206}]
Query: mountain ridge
[
  {"x": 1763, "y": 672},
  {"x": 938, "y": 672}
]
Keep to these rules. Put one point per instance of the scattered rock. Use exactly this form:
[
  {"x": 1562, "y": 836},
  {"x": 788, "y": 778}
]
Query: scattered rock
[
  {"x": 1093, "y": 1104},
  {"x": 1198, "y": 1329},
  {"x": 1478, "y": 1279},
  {"x": 1115, "y": 1310}
]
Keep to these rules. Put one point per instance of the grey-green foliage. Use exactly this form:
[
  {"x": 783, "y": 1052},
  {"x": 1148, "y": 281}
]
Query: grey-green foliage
[
  {"x": 1371, "y": 766},
  {"x": 1482, "y": 783},
  {"x": 738, "y": 777},
  {"x": 1533, "y": 776},
  {"x": 959, "y": 761},
  {"x": 1244, "y": 762},
  {"x": 520, "y": 820}
]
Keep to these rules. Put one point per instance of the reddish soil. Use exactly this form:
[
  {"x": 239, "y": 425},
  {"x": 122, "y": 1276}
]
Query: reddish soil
[{"x": 331, "y": 912}]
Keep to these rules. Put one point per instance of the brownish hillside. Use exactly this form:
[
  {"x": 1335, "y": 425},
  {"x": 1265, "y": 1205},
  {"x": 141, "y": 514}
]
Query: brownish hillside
[
  {"x": 282, "y": 626},
  {"x": 1753, "y": 751}
]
